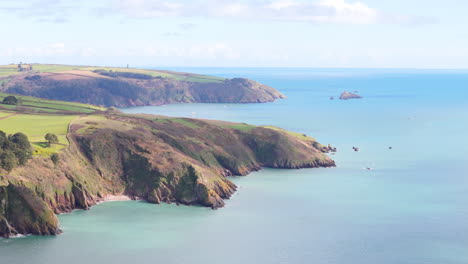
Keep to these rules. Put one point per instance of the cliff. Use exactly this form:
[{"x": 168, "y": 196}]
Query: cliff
[
  {"x": 155, "y": 158},
  {"x": 130, "y": 87}
]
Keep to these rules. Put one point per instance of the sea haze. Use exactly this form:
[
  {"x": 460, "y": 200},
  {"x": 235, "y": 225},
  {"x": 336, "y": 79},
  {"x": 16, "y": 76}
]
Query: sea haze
[{"x": 411, "y": 207}]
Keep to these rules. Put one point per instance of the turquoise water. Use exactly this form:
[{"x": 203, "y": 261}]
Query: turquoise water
[{"x": 411, "y": 208}]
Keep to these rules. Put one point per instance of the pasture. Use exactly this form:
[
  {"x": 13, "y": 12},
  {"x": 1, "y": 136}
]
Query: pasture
[{"x": 36, "y": 126}]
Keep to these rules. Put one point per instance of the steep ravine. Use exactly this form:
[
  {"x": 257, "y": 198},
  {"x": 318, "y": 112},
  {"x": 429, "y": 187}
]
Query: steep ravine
[{"x": 156, "y": 159}]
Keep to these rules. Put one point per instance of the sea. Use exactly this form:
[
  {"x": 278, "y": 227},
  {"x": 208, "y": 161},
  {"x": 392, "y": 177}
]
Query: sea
[{"x": 401, "y": 199}]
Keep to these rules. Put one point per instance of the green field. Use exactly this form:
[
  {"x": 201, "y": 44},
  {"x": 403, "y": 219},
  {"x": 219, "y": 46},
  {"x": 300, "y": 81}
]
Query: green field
[
  {"x": 12, "y": 69},
  {"x": 36, "y": 126},
  {"x": 50, "y": 106}
]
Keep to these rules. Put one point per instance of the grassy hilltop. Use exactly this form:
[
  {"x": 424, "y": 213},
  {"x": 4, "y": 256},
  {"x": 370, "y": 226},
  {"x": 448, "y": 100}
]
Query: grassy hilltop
[
  {"x": 104, "y": 152},
  {"x": 111, "y": 86}
]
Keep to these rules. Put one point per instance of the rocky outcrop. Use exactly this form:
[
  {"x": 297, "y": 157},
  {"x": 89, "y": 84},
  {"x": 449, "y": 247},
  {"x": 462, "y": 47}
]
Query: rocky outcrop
[
  {"x": 348, "y": 95},
  {"x": 157, "y": 159}
]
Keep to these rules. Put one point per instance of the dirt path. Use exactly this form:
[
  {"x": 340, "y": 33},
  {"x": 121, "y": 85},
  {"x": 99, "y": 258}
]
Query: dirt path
[{"x": 5, "y": 117}]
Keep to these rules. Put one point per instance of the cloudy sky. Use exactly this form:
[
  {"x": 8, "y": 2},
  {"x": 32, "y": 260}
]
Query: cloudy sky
[{"x": 254, "y": 33}]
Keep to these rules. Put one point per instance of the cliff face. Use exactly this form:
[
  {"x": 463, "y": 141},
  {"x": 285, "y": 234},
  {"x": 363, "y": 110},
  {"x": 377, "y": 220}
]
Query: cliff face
[
  {"x": 122, "y": 92},
  {"x": 23, "y": 212},
  {"x": 157, "y": 159}
]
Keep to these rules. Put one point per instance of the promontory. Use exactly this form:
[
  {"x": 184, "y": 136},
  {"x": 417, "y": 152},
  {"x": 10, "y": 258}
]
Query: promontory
[
  {"x": 121, "y": 87},
  {"x": 58, "y": 156}
]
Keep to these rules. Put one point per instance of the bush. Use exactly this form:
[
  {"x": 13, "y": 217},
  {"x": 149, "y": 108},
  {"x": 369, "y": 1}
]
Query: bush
[{"x": 10, "y": 100}]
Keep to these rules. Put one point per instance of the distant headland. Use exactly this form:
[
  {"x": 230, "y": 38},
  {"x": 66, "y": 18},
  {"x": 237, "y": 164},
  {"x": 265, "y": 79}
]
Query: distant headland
[{"x": 122, "y": 87}]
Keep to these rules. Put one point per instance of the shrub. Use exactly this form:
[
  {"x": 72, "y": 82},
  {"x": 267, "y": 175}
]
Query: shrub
[{"x": 10, "y": 100}]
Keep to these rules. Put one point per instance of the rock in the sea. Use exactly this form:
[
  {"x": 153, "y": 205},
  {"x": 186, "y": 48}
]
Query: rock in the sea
[{"x": 348, "y": 95}]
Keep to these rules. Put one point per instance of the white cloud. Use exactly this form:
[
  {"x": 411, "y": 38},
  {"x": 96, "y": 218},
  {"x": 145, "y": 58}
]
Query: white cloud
[
  {"x": 320, "y": 11},
  {"x": 49, "y": 49},
  {"x": 281, "y": 4},
  {"x": 216, "y": 50},
  {"x": 343, "y": 12},
  {"x": 53, "y": 11},
  {"x": 312, "y": 11}
]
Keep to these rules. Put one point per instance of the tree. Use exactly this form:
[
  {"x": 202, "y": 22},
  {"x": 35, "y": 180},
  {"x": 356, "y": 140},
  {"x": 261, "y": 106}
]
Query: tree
[
  {"x": 21, "y": 140},
  {"x": 21, "y": 147},
  {"x": 8, "y": 160},
  {"x": 10, "y": 100},
  {"x": 51, "y": 138}
]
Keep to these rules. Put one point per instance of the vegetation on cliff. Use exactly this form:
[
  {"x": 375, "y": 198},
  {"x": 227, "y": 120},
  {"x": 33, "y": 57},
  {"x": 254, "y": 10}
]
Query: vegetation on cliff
[{"x": 130, "y": 87}]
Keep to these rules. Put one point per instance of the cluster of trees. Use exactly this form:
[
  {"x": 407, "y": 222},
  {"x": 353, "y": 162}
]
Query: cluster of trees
[
  {"x": 10, "y": 100},
  {"x": 132, "y": 75},
  {"x": 15, "y": 150}
]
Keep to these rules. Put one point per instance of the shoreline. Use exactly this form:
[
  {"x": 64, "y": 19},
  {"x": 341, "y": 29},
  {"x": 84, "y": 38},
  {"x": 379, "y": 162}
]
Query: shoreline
[{"x": 116, "y": 198}]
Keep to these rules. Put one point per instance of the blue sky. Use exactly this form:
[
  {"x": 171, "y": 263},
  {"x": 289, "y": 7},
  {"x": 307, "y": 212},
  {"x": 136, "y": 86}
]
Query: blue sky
[{"x": 255, "y": 33}]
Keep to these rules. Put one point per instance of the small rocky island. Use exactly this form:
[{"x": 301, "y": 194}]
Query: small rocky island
[{"x": 348, "y": 95}]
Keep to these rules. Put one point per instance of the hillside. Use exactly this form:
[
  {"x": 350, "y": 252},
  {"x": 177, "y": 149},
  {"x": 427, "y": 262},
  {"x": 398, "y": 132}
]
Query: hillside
[
  {"x": 122, "y": 87},
  {"x": 154, "y": 158}
]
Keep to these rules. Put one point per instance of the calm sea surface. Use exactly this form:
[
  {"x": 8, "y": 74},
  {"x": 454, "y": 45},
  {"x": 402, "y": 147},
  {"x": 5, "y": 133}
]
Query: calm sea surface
[{"x": 411, "y": 208}]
